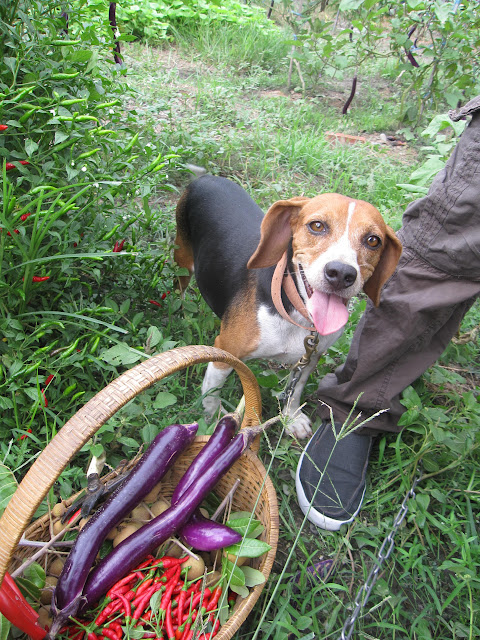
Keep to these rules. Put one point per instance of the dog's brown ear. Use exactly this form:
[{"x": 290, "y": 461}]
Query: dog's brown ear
[
  {"x": 275, "y": 232},
  {"x": 385, "y": 268}
]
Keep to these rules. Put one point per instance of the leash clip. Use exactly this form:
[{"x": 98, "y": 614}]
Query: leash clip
[{"x": 310, "y": 343}]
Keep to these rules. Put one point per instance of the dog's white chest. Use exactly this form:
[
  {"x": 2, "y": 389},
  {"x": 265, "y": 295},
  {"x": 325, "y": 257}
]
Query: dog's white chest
[{"x": 282, "y": 341}]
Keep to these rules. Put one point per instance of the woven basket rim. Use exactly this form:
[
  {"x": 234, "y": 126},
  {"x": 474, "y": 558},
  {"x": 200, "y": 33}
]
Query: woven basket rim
[{"x": 82, "y": 425}]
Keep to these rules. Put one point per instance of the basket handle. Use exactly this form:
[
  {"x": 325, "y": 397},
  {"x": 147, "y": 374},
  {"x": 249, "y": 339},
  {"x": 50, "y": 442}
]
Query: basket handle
[{"x": 86, "y": 422}]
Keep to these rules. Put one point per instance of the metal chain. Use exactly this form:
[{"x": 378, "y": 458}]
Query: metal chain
[
  {"x": 383, "y": 554},
  {"x": 310, "y": 343}
]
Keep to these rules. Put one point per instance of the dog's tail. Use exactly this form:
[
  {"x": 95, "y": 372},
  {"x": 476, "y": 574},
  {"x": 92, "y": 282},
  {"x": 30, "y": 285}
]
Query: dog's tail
[{"x": 183, "y": 252}]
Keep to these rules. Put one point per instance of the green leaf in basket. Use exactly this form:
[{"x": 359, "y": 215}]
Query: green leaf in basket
[
  {"x": 242, "y": 591},
  {"x": 8, "y": 486},
  {"x": 252, "y": 576},
  {"x": 35, "y": 573},
  {"x": 249, "y": 548},
  {"x": 233, "y": 573},
  {"x": 28, "y": 589},
  {"x": 135, "y": 634},
  {"x": 246, "y": 526}
]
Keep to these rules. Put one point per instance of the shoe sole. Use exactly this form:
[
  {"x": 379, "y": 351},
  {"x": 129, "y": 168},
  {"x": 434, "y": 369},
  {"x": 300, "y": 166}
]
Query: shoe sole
[{"x": 314, "y": 516}]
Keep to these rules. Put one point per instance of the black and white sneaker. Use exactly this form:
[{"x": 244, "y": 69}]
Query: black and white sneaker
[{"x": 330, "y": 478}]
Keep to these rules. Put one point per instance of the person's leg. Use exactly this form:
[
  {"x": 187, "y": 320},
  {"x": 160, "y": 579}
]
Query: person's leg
[
  {"x": 437, "y": 280},
  {"x": 395, "y": 343}
]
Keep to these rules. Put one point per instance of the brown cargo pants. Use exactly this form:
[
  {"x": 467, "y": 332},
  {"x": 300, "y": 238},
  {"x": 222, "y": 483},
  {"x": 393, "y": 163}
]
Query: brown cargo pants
[{"x": 424, "y": 302}]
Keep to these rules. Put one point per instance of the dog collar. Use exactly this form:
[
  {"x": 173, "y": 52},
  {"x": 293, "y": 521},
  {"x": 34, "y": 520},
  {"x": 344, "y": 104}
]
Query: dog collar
[{"x": 282, "y": 279}]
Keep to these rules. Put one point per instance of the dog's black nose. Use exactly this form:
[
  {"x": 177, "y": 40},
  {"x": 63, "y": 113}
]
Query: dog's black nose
[{"x": 339, "y": 275}]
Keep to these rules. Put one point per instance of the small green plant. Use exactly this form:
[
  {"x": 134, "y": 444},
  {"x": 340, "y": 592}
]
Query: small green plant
[{"x": 155, "y": 21}]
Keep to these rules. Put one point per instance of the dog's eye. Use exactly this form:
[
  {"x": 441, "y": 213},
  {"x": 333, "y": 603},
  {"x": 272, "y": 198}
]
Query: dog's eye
[
  {"x": 317, "y": 227},
  {"x": 373, "y": 242}
]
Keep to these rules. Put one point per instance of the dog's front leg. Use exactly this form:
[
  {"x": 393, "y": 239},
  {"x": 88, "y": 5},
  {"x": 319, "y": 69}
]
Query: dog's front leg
[
  {"x": 215, "y": 376},
  {"x": 299, "y": 424}
]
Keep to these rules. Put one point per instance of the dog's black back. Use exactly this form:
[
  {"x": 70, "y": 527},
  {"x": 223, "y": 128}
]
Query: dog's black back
[{"x": 222, "y": 224}]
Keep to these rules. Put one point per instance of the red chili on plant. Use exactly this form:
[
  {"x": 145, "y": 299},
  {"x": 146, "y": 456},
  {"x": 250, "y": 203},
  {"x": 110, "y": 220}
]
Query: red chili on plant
[
  {"x": 155, "y": 303},
  {"x": 118, "y": 246},
  {"x": 10, "y": 165},
  {"x": 42, "y": 391},
  {"x": 3, "y": 127}
]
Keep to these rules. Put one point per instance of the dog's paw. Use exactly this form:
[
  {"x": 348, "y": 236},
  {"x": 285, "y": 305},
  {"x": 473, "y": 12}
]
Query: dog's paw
[
  {"x": 211, "y": 407},
  {"x": 298, "y": 426}
]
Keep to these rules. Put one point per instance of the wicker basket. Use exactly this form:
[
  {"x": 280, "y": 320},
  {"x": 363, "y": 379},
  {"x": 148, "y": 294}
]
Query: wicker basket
[{"x": 255, "y": 491}]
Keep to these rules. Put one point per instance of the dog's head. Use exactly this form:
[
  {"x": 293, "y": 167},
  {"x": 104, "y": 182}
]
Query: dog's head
[{"x": 340, "y": 246}]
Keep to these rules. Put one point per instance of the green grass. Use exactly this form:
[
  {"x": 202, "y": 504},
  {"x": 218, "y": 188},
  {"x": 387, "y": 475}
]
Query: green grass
[{"x": 218, "y": 99}]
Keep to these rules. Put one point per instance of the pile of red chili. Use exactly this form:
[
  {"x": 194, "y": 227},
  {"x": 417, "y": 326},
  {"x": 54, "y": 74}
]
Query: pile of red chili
[{"x": 172, "y": 615}]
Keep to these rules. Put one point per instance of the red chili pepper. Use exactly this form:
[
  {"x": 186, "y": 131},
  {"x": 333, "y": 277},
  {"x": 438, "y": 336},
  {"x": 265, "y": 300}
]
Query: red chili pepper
[
  {"x": 144, "y": 586},
  {"x": 116, "y": 626},
  {"x": 196, "y": 599},
  {"x": 181, "y": 603},
  {"x": 111, "y": 608},
  {"x": 10, "y": 165},
  {"x": 126, "y": 606},
  {"x": 193, "y": 588},
  {"x": 42, "y": 391},
  {"x": 169, "y": 590},
  {"x": 155, "y": 303},
  {"x": 167, "y": 562},
  {"x": 17, "y": 610},
  {"x": 145, "y": 563},
  {"x": 14, "y": 231},
  {"x": 3, "y": 127},
  {"x": 75, "y": 515},
  {"x": 22, "y": 437},
  {"x": 129, "y": 595},
  {"x": 118, "y": 246},
  {"x": 40, "y": 278},
  {"x": 49, "y": 379},
  {"x": 179, "y": 587},
  {"x": 142, "y": 602},
  {"x": 92, "y": 636},
  {"x": 210, "y": 634},
  {"x": 24, "y": 216},
  {"x": 169, "y": 622},
  {"x": 144, "y": 596},
  {"x": 212, "y": 603},
  {"x": 163, "y": 296},
  {"x": 110, "y": 634},
  {"x": 124, "y": 581}
]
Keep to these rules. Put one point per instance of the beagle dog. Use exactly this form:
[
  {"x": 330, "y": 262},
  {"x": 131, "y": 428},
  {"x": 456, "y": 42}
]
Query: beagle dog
[{"x": 332, "y": 245}]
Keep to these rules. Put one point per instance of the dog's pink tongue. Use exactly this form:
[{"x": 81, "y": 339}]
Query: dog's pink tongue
[{"x": 328, "y": 311}]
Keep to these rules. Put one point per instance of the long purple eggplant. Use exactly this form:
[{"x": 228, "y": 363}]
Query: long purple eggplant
[
  {"x": 199, "y": 532},
  {"x": 134, "y": 548},
  {"x": 222, "y": 435},
  {"x": 152, "y": 466},
  {"x": 206, "y": 535}
]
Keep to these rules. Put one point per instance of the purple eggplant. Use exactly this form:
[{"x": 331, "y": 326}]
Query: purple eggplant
[
  {"x": 133, "y": 549},
  {"x": 206, "y": 535},
  {"x": 152, "y": 466},
  {"x": 222, "y": 435},
  {"x": 199, "y": 532}
]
